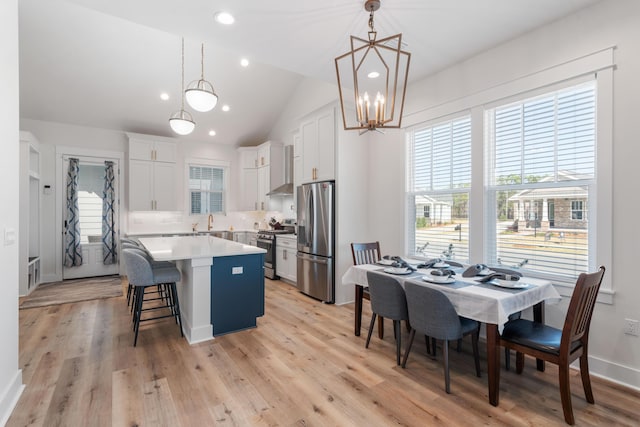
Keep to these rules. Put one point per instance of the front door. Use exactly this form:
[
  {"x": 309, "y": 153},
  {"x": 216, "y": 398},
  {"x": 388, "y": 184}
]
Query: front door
[{"x": 91, "y": 178}]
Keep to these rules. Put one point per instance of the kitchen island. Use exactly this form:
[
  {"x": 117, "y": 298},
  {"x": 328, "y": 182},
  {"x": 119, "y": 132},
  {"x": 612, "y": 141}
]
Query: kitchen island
[{"x": 222, "y": 285}]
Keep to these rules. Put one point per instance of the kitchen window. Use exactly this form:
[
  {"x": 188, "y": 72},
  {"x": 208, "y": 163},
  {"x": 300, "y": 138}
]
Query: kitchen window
[
  {"x": 206, "y": 190},
  {"x": 439, "y": 166}
]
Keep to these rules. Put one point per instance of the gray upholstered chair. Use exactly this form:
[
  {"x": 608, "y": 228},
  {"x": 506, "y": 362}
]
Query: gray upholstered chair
[
  {"x": 154, "y": 264},
  {"x": 387, "y": 300},
  {"x": 141, "y": 276},
  {"x": 560, "y": 346},
  {"x": 130, "y": 241},
  {"x": 432, "y": 314}
]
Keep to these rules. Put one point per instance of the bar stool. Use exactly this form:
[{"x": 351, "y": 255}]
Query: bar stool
[
  {"x": 142, "y": 276},
  {"x": 144, "y": 253}
]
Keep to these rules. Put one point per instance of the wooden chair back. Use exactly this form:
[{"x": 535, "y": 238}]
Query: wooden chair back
[
  {"x": 365, "y": 253},
  {"x": 580, "y": 311}
]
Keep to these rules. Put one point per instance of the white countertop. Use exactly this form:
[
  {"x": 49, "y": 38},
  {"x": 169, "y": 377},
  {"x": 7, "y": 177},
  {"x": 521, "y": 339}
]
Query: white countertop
[{"x": 190, "y": 247}]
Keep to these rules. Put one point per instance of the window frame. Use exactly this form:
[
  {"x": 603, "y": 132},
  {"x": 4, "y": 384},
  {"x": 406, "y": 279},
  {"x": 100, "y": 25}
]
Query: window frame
[
  {"x": 599, "y": 65},
  {"x": 207, "y": 163},
  {"x": 410, "y": 194}
]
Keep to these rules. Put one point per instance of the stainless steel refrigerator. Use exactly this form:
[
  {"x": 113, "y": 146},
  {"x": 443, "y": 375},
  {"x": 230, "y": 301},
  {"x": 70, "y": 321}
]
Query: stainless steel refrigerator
[{"x": 316, "y": 240}]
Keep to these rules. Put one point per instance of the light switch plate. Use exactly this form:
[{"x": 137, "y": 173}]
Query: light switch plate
[
  {"x": 236, "y": 270},
  {"x": 9, "y": 236}
]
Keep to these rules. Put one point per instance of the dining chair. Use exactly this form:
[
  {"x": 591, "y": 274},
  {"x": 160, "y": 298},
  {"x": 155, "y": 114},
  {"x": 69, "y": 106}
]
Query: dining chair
[
  {"x": 388, "y": 300},
  {"x": 432, "y": 314},
  {"x": 141, "y": 276},
  {"x": 560, "y": 346},
  {"x": 365, "y": 253}
]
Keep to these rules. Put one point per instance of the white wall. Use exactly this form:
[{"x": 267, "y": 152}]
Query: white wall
[
  {"x": 10, "y": 374},
  {"x": 608, "y": 23}
]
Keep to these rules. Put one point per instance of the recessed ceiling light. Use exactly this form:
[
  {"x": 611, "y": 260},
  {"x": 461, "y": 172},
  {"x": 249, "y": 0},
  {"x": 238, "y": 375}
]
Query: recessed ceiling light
[
  {"x": 164, "y": 96},
  {"x": 373, "y": 75},
  {"x": 224, "y": 18},
  {"x": 212, "y": 132},
  {"x": 244, "y": 62},
  {"x": 225, "y": 108}
]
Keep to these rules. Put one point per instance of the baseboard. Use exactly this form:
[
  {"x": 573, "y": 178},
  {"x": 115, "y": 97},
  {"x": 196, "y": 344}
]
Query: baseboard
[
  {"x": 614, "y": 372},
  {"x": 10, "y": 397}
]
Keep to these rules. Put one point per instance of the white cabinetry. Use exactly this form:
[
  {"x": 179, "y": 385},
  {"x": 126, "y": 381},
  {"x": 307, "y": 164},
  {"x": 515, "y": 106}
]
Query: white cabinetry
[
  {"x": 297, "y": 166},
  {"x": 249, "y": 179},
  {"x": 152, "y": 175},
  {"x": 266, "y": 173},
  {"x": 286, "y": 265},
  {"x": 318, "y": 136},
  {"x": 252, "y": 238},
  {"x": 29, "y": 229}
]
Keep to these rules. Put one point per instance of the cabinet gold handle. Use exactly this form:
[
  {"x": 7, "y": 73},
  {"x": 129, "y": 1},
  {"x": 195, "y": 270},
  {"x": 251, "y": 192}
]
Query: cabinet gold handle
[{"x": 284, "y": 255}]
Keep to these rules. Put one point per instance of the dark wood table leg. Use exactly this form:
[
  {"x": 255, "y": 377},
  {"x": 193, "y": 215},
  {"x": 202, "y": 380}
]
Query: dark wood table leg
[
  {"x": 538, "y": 316},
  {"x": 358, "y": 309},
  {"x": 493, "y": 363}
]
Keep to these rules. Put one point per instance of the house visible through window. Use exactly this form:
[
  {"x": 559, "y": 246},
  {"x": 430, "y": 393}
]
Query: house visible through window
[
  {"x": 439, "y": 159},
  {"x": 206, "y": 189},
  {"x": 541, "y": 175}
]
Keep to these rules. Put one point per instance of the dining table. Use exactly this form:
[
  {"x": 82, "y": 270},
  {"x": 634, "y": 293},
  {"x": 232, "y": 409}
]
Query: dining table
[{"x": 487, "y": 303}]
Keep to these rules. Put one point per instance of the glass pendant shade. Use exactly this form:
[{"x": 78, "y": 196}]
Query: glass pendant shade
[
  {"x": 182, "y": 123},
  {"x": 201, "y": 96}
]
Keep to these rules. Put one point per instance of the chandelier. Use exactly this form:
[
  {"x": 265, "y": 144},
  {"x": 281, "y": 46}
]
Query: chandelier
[{"x": 372, "y": 79}]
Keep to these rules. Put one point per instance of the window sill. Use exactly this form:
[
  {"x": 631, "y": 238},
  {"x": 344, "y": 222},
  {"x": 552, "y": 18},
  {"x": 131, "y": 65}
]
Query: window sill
[{"x": 605, "y": 296}]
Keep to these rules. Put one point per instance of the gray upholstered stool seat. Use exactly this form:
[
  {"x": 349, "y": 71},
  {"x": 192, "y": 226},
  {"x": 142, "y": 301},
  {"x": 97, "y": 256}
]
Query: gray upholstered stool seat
[{"x": 141, "y": 276}]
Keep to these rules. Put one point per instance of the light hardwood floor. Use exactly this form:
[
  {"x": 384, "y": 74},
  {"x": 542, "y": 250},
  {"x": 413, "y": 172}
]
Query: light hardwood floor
[{"x": 302, "y": 366}]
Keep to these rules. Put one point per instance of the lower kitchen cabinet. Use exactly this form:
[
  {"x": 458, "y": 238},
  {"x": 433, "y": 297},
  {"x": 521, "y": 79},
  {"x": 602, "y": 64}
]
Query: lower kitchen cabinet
[{"x": 286, "y": 264}]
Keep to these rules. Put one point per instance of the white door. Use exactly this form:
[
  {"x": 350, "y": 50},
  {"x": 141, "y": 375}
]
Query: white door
[{"x": 90, "y": 189}]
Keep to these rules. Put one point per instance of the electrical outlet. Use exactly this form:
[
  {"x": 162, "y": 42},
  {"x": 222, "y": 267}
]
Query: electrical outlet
[
  {"x": 632, "y": 327},
  {"x": 236, "y": 270}
]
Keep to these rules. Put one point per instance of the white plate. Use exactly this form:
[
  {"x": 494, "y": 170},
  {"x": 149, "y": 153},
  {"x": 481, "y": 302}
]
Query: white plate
[
  {"x": 435, "y": 279},
  {"x": 385, "y": 261},
  {"x": 397, "y": 270},
  {"x": 511, "y": 284}
]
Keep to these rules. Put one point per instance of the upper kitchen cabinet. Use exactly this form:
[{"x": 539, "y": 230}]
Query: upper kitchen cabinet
[
  {"x": 318, "y": 138},
  {"x": 266, "y": 174},
  {"x": 152, "y": 175},
  {"x": 157, "y": 151},
  {"x": 249, "y": 179}
]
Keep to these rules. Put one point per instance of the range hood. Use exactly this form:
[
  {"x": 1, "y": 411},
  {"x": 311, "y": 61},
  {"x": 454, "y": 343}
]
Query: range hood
[{"x": 285, "y": 189}]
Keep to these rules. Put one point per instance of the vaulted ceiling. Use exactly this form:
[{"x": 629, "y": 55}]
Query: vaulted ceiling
[{"x": 104, "y": 63}]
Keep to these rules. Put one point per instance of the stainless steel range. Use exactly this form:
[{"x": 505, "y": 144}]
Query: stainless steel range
[{"x": 267, "y": 241}]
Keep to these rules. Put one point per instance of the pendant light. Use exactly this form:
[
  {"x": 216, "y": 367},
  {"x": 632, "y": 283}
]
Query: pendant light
[
  {"x": 200, "y": 94},
  {"x": 181, "y": 122},
  {"x": 372, "y": 79}
]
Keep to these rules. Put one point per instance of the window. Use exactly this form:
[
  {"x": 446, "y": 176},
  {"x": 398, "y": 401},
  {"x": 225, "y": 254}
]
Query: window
[
  {"x": 90, "y": 188},
  {"x": 206, "y": 189},
  {"x": 439, "y": 178},
  {"x": 576, "y": 209},
  {"x": 541, "y": 176}
]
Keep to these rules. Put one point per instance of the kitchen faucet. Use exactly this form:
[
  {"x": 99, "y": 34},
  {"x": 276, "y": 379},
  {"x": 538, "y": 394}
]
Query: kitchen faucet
[{"x": 210, "y": 222}]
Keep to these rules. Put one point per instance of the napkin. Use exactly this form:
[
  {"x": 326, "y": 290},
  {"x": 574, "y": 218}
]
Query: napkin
[{"x": 496, "y": 275}]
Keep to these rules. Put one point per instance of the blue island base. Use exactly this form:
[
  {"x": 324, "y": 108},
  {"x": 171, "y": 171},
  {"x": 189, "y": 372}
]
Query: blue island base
[{"x": 237, "y": 292}]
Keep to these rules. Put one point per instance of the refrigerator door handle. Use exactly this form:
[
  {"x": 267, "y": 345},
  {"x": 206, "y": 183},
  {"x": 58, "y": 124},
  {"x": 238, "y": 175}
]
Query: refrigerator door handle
[
  {"x": 313, "y": 259},
  {"x": 311, "y": 223}
]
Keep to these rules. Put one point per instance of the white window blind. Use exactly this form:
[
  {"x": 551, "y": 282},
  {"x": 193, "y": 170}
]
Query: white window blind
[
  {"x": 206, "y": 189},
  {"x": 439, "y": 178},
  {"x": 541, "y": 175}
]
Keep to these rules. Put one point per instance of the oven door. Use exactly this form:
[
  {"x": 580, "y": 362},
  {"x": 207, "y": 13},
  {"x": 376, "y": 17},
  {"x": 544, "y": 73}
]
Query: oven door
[{"x": 267, "y": 245}]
